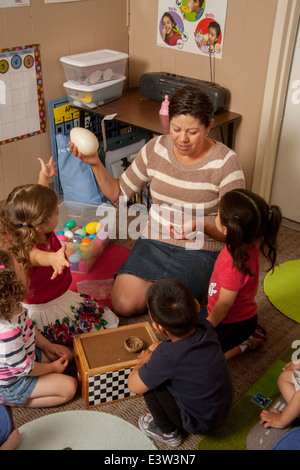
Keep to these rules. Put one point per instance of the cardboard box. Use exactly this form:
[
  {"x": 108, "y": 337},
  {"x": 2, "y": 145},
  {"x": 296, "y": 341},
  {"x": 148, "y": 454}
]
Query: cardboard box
[{"x": 103, "y": 363}]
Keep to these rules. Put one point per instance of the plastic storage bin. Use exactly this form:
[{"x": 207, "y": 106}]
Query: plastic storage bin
[
  {"x": 82, "y": 254},
  {"x": 93, "y": 67},
  {"x": 91, "y": 96}
]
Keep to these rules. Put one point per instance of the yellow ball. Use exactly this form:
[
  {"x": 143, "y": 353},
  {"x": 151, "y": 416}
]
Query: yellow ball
[{"x": 91, "y": 228}]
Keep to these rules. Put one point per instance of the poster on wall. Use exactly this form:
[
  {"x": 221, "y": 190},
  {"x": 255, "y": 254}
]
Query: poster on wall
[
  {"x": 14, "y": 3},
  {"x": 22, "y": 107},
  {"x": 195, "y": 26}
]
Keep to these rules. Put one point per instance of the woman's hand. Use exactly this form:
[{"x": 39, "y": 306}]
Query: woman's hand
[{"x": 92, "y": 160}]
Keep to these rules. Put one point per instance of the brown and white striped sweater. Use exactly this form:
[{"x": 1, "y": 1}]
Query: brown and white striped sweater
[{"x": 177, "y": 186}]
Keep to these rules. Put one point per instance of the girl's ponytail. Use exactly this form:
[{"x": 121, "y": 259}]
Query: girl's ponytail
[{"x": 269, "y": 236}]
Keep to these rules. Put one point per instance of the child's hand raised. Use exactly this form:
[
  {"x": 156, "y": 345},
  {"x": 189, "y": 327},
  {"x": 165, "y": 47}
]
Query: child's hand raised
[
  {"x": 58, "y": 261},
  {"x": 48, "y": 169}
]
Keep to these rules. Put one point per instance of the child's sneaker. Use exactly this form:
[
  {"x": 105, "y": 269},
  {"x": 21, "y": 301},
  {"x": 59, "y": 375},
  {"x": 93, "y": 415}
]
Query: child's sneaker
[{"x": 148, "y": 426}]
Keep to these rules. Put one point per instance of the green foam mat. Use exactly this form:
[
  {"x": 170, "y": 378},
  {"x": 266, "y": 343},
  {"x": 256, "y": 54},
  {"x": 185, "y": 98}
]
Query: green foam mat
[
  {"x": 245, "y": 413},
  {"x": 283, "y": 289}
]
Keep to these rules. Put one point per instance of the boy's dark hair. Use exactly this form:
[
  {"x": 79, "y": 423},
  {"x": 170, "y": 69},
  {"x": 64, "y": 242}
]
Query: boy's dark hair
[
  {"x": 172, "y": 305},
  {"x": 249, "y": 219}
]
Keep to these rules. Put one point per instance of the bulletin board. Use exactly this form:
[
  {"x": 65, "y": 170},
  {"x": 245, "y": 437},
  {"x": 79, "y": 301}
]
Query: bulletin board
[
  {"x": 195, "y": 26},
  {"x": 22, "y": 107}
]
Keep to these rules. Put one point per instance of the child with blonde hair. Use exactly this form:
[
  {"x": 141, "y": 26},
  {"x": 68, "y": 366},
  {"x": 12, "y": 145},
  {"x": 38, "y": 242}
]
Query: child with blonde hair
[
  {"x": 31, "y": 367},
  {"x": 27, "y": 223}
]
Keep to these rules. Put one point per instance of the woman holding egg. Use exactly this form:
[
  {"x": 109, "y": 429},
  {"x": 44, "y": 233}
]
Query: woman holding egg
[{"x": 184, "y": 169}]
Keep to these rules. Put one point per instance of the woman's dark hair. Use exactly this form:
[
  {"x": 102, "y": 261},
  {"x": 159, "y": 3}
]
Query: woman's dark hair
[
  {"x": 172, "y": 305},
  {"x": 192, "y": 101},
  {"x": 248, "y": 218}
]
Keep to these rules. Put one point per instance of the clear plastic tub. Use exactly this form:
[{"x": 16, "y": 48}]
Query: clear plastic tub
[
  {"x": 89, "y": 68},
  {"x": 82, "y": 254},
  {"x": 91, "y": 96}
]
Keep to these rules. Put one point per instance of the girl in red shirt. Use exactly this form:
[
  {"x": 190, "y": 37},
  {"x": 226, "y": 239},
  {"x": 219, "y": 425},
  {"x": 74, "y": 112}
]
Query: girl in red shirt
[
  {"x": 28, "y": 220},
  {"x": 250, "y": 227}
]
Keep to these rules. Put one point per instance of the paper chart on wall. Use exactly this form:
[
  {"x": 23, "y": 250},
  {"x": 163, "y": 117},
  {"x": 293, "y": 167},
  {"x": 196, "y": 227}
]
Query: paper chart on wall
[
  {"x": 195, "y": 26},
  {"x": 22, "y": 107},
  {"x": 14, "y": 3}
]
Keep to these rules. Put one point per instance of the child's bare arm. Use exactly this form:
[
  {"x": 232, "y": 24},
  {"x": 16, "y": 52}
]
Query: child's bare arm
[
  {"x": 222, "y": 306},
  {"x": 56, "y": 259},
  {"x": 47, "y": 171},
  {"x": 135, "y": 384}
]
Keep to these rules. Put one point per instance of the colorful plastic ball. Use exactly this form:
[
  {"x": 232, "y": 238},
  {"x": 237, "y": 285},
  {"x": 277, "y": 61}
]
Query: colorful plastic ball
[
  {"x": 60, "y": 233},
  {"x": 70, "y": 224},
  {"x": 69, "y": 252},
  {"x": 86, "y": 241},
  {"x": 91, "y": 227},
  {"x": 75, "y": 258},
  {"x": 61, "y": 238},
  {"x": 81, "y": 232},
  {"x": 83, "y": 266},
  {"x": 76, "y": 239},
  {"x": 68, "y": 234},
  {"x": 74, "y": 266},
  {"x": 92, "y": 236},
  {"x": 86, "y": 255}
]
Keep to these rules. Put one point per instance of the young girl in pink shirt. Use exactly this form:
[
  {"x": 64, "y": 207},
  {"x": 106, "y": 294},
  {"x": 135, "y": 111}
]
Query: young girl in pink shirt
[
  {"x": 31, "y": 367},
  {"x": 251, "y": 227}
]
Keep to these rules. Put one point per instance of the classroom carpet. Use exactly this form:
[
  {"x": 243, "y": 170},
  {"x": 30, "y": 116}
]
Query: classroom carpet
[
  {"x": 82, "y": 430},
  {"x": 283, "y": 288},
  {"x": 242, "y": 429}
]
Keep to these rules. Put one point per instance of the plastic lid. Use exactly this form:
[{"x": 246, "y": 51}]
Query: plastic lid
[
  {"x": 97, "y": 86},
  {"x": 86, "y": 59}
]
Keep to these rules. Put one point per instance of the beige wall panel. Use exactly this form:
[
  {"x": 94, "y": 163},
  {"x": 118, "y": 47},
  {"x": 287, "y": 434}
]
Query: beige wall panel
[
  {"x": 18, "y": 30},
  {"x": 101, "y": 24},
  {"x": 11, "y": 167},
  {"x": 81, "y": 19},
  {"x": 3, "y": 38},
  {"x": 60, "y": 29},
  {"x": 29, "y": 166},
  {"x": 118, "y": 35}
]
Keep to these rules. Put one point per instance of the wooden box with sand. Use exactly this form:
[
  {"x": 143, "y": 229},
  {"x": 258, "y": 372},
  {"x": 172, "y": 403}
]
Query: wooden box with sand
[{"x": 104, "y": 360}]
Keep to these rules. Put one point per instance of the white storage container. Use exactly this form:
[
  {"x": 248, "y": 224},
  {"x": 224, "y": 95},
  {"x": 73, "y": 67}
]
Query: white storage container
[
  {"x": 92, "y": 96},
  {"x": 93, "y": 67}
]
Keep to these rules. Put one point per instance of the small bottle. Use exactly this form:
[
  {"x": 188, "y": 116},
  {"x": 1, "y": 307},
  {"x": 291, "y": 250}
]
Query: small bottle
[{"x": 164, "y": 109}]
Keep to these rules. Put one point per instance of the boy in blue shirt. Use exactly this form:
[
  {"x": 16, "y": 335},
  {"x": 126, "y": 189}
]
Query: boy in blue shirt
[{"x": 185, "y": 379}]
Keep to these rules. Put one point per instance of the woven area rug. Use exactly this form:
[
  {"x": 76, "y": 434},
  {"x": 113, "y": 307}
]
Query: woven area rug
[
  {"x": 242, "y": 429},
  {"x": 283, "y": 289}
]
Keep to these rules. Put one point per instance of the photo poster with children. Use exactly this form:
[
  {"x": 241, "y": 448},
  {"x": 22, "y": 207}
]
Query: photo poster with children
[{"x": 195, "y": 26}]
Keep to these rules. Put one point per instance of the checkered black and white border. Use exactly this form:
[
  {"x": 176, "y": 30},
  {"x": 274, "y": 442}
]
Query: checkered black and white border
[{"x": 108, "y": 387}]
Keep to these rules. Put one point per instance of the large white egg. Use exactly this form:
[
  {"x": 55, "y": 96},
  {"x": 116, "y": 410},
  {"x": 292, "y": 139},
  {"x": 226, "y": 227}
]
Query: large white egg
[{"x": 86, "y": 142}]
